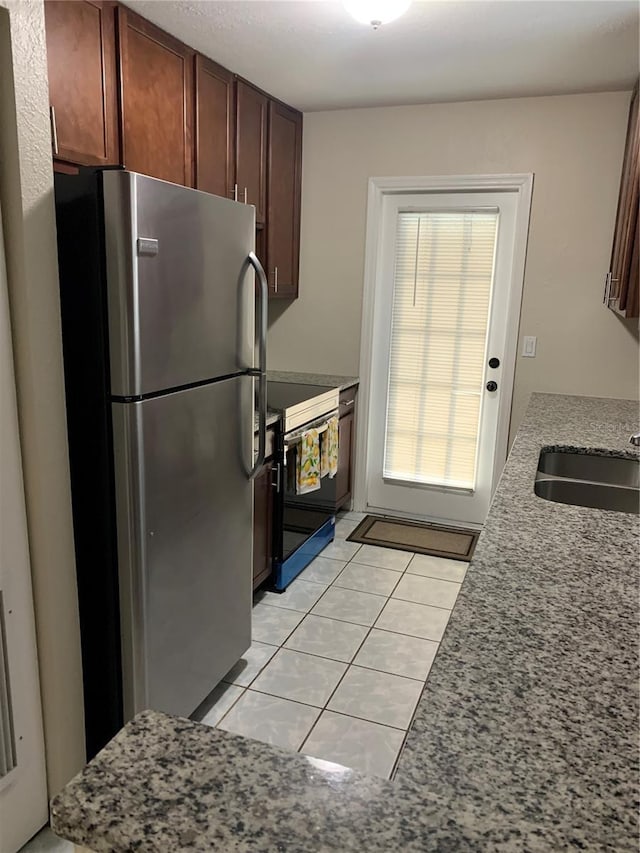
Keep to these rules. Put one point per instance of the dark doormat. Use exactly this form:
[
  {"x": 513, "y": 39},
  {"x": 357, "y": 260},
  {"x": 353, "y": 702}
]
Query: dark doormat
[{"x": 450, "y": 542}]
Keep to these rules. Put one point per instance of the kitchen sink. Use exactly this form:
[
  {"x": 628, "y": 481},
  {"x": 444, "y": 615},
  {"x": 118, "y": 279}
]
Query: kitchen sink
[
  {"x": 596, "y": 495},
  {"x": 616, "y": 470},
  {"x": 582, "y": 479}
]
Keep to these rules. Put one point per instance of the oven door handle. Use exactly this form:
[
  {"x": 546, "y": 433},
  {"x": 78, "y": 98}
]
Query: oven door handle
[
  {"x": 261, "y": 372},
  {"x": 321, "y": 425}
]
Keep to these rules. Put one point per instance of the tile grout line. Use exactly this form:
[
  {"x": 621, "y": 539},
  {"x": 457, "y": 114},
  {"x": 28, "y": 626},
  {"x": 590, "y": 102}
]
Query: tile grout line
[
  {"x": 424, "y": 687},
  {"x": 360, "y": 719},
  {"x": 387, "y": 597},
  {"x": 413, "y": 716},
  {"x": 349, "y": 665},
  {"x": 232, "y": 705},
  {"x": 331, "y": 695},
  {"x": 364, "y": 592},
  {"x": 320, "y": 709},
  {"x": 415, "y": 710},
  {"x": 324, "y": 707},
  {"x": 357, "y": 624}
]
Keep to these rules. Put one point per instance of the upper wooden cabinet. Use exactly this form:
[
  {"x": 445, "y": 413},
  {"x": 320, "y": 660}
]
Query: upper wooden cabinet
[
  {"x": 82, "y": 81},
  {"x": 623, "y": 287},
  {"x": 179, "y": 117},
  {"x": 283, "y": 200},
  {"x": 156, "y": 78},
  {"x": 251, "y": 147},
  {"x": 215, "y": 128}
]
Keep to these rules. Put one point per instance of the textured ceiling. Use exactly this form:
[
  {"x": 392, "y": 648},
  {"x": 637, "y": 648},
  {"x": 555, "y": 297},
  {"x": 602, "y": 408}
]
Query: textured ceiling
[{"x": 312, "y": 54}]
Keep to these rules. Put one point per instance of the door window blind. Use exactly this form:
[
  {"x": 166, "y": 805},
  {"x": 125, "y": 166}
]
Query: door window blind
[{"x": 443, "y": 277}]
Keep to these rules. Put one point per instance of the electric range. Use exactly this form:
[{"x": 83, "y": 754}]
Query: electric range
[{"x": 304, "y": 524}]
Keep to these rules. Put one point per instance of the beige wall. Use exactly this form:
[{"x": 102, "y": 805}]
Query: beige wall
[
  {"x": 573, "y": 144},
  {"x": 26, "y": 193}
]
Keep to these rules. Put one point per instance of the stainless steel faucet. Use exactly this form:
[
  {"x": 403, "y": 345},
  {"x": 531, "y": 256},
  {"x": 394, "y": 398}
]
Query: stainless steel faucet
[{"x": 635, "y": 439}]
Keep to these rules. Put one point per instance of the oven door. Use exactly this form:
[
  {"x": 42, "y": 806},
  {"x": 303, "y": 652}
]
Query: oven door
[{"x": 305, "y": 523}]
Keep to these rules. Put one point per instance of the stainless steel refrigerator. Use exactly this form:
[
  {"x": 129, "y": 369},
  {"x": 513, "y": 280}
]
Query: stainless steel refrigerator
[{"x": 158, "y": 295}]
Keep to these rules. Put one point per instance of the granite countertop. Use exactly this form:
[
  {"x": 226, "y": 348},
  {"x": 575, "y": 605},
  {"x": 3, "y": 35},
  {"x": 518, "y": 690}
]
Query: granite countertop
[
  {"x": 272, "y": 418},
  {"x": 341, "y": 382},
  {"x": 525, "y": 738}
]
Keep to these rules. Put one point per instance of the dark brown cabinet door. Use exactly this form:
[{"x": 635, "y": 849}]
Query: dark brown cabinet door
[
  {"x": 283, "y": 197},
  {"x": 345, "y": 450},
  {"x": 215, "y": 128},
  {"x": 623, "y": 285},
  {"x": 82, "y": 81},
  {"x": 156, "y": 73},
  {"x": 262, "y": 525},
  {"x": 346, "y": 445},
  {"x": 251, "y": 147}
]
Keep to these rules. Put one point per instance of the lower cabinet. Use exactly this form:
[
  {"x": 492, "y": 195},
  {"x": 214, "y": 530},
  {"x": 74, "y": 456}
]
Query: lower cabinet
[
  {"x": 263, "y": 521},
  {"x": 346, "y": 446}
]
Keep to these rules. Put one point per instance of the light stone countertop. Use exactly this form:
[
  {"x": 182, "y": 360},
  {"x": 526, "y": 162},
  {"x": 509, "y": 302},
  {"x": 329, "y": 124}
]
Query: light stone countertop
[
  {"x": 272, "y": 419},
  {"x": 341, "y": 382},
  {"x": 526, "y": 736}
]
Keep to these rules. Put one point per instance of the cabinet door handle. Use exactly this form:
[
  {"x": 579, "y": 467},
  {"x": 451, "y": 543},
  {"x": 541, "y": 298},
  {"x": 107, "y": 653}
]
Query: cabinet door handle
[
  {"x": 245, "y": 196},
  {"x": 54, "y": 129},
  {"x": 608, "y": 299},
  {"x": 275, "y": 279},
  {"x": 234, "y": 194},
  {"x": 348, "y": 403}
]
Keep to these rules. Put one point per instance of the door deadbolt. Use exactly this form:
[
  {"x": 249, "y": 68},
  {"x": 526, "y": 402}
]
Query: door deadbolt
[
  {"x": 494, "y": 362},
  {"x": 492, "y": 386}
]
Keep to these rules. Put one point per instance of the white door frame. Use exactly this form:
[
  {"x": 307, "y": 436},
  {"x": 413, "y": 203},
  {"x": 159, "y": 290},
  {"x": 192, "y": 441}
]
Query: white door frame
[{"x": 522, "y": 184}]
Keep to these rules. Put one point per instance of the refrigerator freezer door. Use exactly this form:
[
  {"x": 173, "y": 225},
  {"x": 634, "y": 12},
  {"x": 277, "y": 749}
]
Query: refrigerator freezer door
[
  {"x": 184, "y": 507},
  {"x": 180, "y": 286}
]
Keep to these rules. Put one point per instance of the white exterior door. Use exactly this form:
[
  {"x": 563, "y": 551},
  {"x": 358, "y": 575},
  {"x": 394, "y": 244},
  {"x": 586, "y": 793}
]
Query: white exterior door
[{"x": 442, "y": 353}]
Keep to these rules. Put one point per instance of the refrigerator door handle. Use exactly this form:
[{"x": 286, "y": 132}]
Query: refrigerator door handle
[{"x": 261, "y": 372}]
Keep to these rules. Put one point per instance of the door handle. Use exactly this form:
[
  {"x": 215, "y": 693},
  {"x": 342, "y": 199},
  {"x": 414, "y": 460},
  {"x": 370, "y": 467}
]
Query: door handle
[
  {"x": 492, "y": 386},
  {"x": 261, "y": 373}
]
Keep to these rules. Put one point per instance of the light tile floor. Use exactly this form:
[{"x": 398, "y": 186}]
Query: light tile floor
[{"x": 339, "y": 660}]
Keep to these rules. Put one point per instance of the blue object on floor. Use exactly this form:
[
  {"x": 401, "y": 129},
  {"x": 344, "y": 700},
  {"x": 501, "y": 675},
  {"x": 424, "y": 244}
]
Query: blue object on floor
[{"x": 286, "y": 570}]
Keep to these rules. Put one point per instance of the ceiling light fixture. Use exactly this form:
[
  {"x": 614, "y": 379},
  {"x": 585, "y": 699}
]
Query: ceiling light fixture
[{"x": 376, "y": 12}]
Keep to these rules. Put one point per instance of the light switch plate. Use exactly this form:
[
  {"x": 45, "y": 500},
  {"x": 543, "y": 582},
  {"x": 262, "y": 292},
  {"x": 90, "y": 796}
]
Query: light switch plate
[{"x": 529, "y": 346}]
